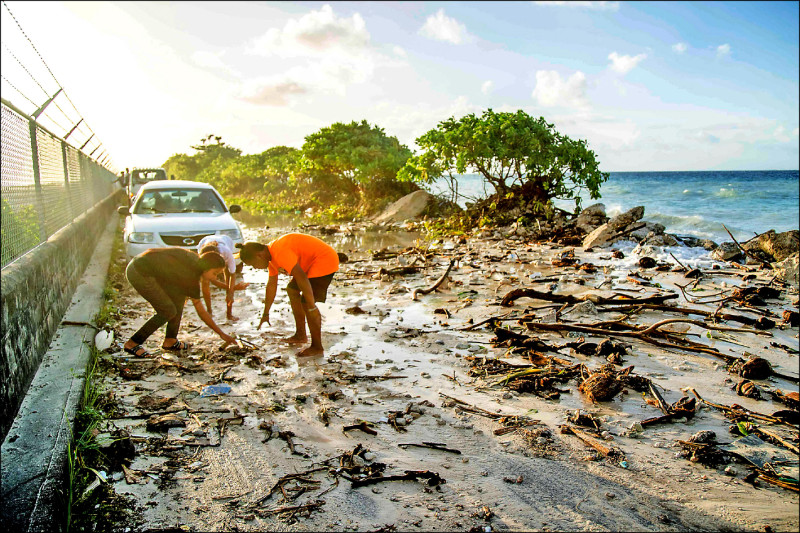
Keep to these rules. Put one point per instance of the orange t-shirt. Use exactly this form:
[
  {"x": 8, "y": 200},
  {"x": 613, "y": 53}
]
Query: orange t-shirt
[{"x": 316, "y": 258}]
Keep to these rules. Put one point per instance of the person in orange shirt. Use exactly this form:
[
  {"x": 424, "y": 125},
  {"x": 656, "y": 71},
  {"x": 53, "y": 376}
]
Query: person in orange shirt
[{"x": 312, "y": 264}]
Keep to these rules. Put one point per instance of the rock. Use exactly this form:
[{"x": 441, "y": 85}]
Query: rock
[
  {"x": 727, "y": 251},
  {"x": 789, "y": 270},
  {"x": 709, "y": 245},
  {"x": 591, "y": 217},
  {"x": 663, "y": 239},
  {"x": 650, "y": 229},
  {"x": 756, "y": 368},
  {"x": 409, "y": 206},
  {"x": 606, "y": 233},
  {"x": 584, "y": 308},
  {"x": 703, "y": 436},
  {"x": 777, "y": 245},
  {"x": 647, "y": 262},
  {"x": 646, "y": 250}
]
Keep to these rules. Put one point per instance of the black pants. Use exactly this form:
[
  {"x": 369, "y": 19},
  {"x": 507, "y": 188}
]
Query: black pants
[{"x": 167, "y": 303}]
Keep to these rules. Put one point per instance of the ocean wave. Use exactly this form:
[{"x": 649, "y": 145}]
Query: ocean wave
[
  {"x": 697, "y": 226},
  {"x": 724, "y": 192}
]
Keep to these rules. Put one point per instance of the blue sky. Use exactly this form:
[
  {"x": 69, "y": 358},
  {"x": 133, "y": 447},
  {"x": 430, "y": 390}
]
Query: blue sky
[{"x": 649, "y": 85}]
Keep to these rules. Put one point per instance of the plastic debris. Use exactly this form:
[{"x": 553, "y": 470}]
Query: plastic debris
[{"x": 215, "y": 390}]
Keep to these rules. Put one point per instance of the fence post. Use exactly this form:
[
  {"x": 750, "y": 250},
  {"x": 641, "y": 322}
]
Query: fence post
[
  {"x": 66, "y": 180},
  {"x": 37, "y": 182}
]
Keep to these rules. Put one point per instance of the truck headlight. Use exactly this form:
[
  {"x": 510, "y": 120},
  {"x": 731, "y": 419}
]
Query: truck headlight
[
  {"x": 232, "y": 233},
  {"x": 140, "y": 237}
]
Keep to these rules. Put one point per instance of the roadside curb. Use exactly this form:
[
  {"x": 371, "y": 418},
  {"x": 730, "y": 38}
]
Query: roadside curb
[{"x": 34, "y": 468}]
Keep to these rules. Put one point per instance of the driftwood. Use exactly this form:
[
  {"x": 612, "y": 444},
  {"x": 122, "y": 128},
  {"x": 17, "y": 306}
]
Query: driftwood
[
  {"x": 363, "y": 426},
  {"x": 747, "y": 253},
  {"x": 293, "y": 509},
  {"x": 432, "y": 478},
  {"x": 737, "y": 411},
  {"x": 432, "y": 446},
  {"x": 644, "y": 335},
  {"x": 438, "y": 282},
  {"x": 614, "y": 454},
  {"x": 515, "y": 294},
  {"x": 689, "y": 311}
]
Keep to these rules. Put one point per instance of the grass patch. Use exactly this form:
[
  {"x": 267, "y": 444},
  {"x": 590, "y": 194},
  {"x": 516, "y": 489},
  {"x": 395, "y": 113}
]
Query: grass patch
[{"x": 97, "y": 449}]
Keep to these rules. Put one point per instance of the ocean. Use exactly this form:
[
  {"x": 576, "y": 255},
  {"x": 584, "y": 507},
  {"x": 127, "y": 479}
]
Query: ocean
[{"x": 694, "y": 203}]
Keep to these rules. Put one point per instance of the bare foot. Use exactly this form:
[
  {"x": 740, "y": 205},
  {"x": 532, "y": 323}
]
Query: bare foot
[
  {"x": 294, "y": 339},
  {"x": 232, "y": 318},
  {"x": 311, "y": 351}
]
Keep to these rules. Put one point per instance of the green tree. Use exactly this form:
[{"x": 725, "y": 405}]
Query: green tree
[
  {"x": 205, "y": 164},
  {"x": 517, "y": 154},
  {"x": 268, "y": 172},
  {"x": 354, "y": 163}
]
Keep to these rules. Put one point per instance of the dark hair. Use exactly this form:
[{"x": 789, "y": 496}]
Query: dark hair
[
  {"x": 249, "y": 249},
  {"x": 210, "y": 247},
  {"x": 211, "y": 260}
]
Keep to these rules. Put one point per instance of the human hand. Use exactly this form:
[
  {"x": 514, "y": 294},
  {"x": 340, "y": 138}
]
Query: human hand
[
  {"x": 241, "y": 286},
  {"x": 227, "y": 338},
  {"x": 264, "y": 318}
]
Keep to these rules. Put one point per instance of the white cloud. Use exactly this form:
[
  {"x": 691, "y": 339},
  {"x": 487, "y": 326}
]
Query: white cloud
[
  {"x": 211, "y": 60},
  {"x": 551, "y": 90},
  {"x": 487, "y": 86},
  {"x": 680, "y": 47},
  {"x": 723, "y": 50},
  {"x": 600, "y": 6},
  {"x": 328, "y": 54},
  {"x": 272, "y": 92},
  {"x": 318, "y": 32},
  {"x": 443, "y": 28},
  {"x": 781, "y": 135},
  {"x": 624, "y": 64},
  {"x": 706, "y": 137}
]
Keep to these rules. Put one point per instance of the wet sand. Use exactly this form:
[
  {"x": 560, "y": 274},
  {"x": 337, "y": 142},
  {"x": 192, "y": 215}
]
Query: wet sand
[{"x": 386, "y": 353}]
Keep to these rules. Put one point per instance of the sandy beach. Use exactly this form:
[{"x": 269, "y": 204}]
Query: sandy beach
[{"x": 404, "y": 387}]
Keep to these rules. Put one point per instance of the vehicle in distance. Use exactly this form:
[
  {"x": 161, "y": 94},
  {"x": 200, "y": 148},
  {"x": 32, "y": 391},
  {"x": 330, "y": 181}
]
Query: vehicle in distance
[
  {"x": 176, "y": 213},
  {"x": 140, "y": 176}
]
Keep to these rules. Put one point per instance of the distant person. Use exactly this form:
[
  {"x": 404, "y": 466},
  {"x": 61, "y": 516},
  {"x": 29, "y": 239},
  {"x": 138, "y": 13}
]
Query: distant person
[
  {"x": 172, "y": 176},
  {"x": 223, "y": 245},
  {"x": 312, "y": 264},
  {"x": 165, "y": 277}
]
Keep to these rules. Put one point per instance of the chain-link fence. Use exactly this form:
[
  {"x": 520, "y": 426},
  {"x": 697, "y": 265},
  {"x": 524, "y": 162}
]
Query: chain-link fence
[{"x": 46, "y": 183}]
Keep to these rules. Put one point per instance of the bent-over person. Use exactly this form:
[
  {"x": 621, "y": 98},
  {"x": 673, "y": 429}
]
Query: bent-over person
[
  {"x": 223, "y": 245},
  {"x": 165, "y": 277},
  {"x": 311, "y": 263}
]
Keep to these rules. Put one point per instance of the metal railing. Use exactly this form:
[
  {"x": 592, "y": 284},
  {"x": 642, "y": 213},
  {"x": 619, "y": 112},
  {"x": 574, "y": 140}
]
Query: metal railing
[{"x": 45, "y": 183}]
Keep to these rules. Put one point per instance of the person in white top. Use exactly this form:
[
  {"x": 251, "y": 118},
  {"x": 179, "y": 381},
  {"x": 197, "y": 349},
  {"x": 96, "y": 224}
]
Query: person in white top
[{"x": 223, "y": 245}]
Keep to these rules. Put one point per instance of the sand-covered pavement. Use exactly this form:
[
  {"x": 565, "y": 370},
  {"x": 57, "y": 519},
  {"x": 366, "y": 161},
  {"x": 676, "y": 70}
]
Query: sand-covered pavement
[{"x": 271, "y": 453}]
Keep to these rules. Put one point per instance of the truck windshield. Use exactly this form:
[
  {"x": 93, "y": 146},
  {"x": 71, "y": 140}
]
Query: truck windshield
[{"x": 145, "y": 175}]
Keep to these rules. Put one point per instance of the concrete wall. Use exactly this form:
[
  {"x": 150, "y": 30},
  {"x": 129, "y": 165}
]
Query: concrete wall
[{"x": 36, "y": 290}]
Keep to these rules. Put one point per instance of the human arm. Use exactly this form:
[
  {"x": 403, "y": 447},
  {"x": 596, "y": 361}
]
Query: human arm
[
  {"x": 269, "y": 297},
  {"x": 230, "y": 278},
  {"x": 206, "y": 317},
  {"x": 206, "y": 293},
  {"x": 304, "y": 285}
]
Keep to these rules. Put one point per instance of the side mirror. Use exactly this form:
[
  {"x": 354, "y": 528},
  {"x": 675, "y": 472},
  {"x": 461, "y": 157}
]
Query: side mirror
[
  {"x": 235, "y": 208},
  {"x": 123, "y": 210}
]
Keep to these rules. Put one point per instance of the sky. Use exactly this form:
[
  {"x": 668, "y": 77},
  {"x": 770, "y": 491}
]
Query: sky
[{"x": 651, "y": 86}]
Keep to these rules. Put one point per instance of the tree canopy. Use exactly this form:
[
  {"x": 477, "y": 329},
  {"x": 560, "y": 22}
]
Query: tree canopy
[
  {"x": 356, "y": 160},
  {"x": 344, "y": 170},
  {"x": 513, "y": 152}
]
